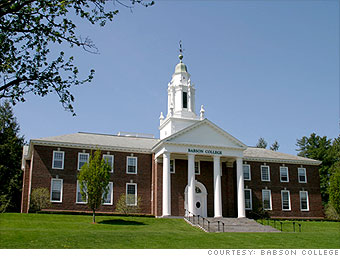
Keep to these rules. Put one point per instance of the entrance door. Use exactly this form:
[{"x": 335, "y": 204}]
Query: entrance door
[{"x": 200, "y": 204}]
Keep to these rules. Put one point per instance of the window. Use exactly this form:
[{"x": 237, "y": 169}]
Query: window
[
  {"x": 265, "y": 173},
  {"x": 185, "y": 100},
  {"x": 248, "y": 199},
  {"x": 304, "y": 203},
  {"x": 131, "y": 165},
  {"x": 197, "y": 168},
  {"x": 246, "y": 172},
  {"x": 131, "y": 194},
  {"x": 82, "y": 159},
  {"x": 302, "y": 175},
  {"x": 56, "y": 190},
  {"x": 266, "y": 199},
  {"x": 285, "y": 197},
  {"x": 109, "y": 159},
  {"x": 108, "y": 200},
  {"x": 58, "y": 160},
  {"x": 284, "y": 174},
  {"x": 172, "y": 166},
  {"x": 79, "y": 199}
]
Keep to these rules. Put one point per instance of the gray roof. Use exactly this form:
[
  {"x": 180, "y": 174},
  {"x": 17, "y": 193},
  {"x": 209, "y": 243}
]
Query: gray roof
[
  {"x": 115, "y": 142},
  {"x": 103, "y": 140},
  {"x": 252, "y": 153}
]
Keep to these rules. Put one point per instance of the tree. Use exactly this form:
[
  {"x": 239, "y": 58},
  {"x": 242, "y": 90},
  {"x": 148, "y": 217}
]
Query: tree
[
  {"x": 275, "y": 146},
  {"x": 124, "y": 208},
  {"x": 40, "y": 199},
  {"x": 28, "y": 28},
  {"x": 11, "y": 144},
  {"x": 94, "y": 180},
  {"x": 261, "y": 143},
  {"x": 323, "y": 149},
  {"x": 334, "y": 188}
]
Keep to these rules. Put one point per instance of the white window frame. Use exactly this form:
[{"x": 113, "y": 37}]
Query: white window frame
[
  {"x": 251, "y": 199},
  {"x": 111, "y": 196},
  {"x": 199, "y": 167},
  {"x": 267, "y": 166},
  {"x": 113, "y": 158},
  {"x": 304, "y": 210},
  {"x": 286, "y": 168},
  {"x": 127, "y": 164},
  {"x": 270, "y": 200},
  {"x": 61, "y": 191},
  {"x": 135, "y": 184},
  {"x": 58, "y": 151},
  {"x": 81, "y": 153},
  {"x": 77, "y": 202},
  {"x": 249, "y": 171},
  {"x": 285, "y": 191},
  {"x": 305, "y": 174},
  {"x": 173, "y": 166}
]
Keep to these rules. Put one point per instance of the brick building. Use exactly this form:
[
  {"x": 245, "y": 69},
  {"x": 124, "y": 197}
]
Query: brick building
[{"x": 194, "y": 166}]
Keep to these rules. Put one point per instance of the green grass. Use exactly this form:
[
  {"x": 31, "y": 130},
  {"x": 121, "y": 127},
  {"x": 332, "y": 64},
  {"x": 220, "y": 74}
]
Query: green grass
[{"x": 76, "y": 231}]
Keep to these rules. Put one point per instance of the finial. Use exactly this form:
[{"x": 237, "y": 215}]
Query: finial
[
  {"x": 180, "y": 51},
  {"x": 161, "y": 117},
  {"x": 202, "y": 112}
]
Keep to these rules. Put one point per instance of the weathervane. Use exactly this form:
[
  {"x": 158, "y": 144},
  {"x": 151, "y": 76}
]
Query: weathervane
[{"x": 181, "y": 50}]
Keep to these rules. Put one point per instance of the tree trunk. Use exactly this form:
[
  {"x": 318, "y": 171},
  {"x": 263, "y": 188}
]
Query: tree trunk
[{"x": 94, "y": 217}]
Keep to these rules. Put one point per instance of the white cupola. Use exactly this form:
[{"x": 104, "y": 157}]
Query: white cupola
[{"x": 181, "y": 102}]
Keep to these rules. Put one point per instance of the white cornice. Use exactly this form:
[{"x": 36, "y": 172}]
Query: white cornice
[{"x": 285, "y": 161}]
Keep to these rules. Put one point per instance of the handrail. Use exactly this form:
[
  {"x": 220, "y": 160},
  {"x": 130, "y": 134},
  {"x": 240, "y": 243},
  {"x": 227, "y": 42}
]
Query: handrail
[{"x": 198, "y": 219}]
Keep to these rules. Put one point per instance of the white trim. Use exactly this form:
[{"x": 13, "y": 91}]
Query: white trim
[
  {"x": 251, "y": 199},
  {"x": 270, "y": 200},
  {"x": 286, "y": 168},
  {"x": 30, "y": 183},
  {"x": 127, "y": 165},
  {"x": 268, "y": 172},
  {"x": 305, "y": 174},
  {"x": 199, "y": 168},
  {"x": 81, "y": 153},
  {"x": 173, "y": 166},
  {"x": 283, "y": 161},
  {"x": 62, "y": 163},
  {"x": 285, "y": 191},
  {"x": 249, "y": 171},
  {"x": 111, "y": 196},
  {"x": 135, "y": 184},
  {"x": 112, "y": 162},
  {"x": 307, "y": 197},
  {"x": 61, "y": 191},
  {"x": 77, "y": 202}
]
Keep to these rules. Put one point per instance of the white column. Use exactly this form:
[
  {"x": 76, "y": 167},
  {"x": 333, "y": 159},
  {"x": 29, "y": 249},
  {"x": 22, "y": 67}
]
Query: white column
[
  {"x": 240, "y": 189},
  {"x": 191, "y": 183},
  {"x": 217, "y": 188},
  {"x": 166, "y": 185}
]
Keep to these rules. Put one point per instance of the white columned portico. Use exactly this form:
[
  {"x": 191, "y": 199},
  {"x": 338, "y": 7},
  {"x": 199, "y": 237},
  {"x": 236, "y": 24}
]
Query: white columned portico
[
  {"x": 191, "y": 183},
  {"x": 217, "y": 188},
  {"x": 240, "y": 189},
  {"x": 166, "y": 185}
]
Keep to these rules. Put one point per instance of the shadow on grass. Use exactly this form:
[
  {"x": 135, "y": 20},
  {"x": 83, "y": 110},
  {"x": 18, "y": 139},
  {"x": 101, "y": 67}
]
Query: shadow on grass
[{"x": 121, "y": 222}]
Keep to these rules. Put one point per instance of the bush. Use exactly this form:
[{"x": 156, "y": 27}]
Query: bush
[
  {"x": 331, "y": 213},
  {"x": 123, "y": 208},
  {"x": 40, "y": 199}
]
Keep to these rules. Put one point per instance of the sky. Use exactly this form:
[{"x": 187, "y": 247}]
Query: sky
[{"x": 261, "y": 69}]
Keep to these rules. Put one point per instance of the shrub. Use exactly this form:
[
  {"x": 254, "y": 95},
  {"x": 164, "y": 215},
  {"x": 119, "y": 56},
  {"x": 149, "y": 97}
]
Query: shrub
[
  {"x": 40, "y": 199},
  {"x": 331, "y": 213},
  {"x": 124, "y": 208}
]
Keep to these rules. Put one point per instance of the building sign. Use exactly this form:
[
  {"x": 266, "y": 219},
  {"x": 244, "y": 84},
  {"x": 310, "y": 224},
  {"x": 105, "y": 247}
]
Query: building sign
[{"x": 205, "y": 151}]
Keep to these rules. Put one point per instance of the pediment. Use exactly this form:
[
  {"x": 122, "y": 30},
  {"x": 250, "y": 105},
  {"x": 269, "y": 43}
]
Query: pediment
[{"x": 205, "y": 133}]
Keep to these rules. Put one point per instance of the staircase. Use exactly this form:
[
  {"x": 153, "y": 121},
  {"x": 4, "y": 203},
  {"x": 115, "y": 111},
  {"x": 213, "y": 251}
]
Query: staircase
[{"x": 228, "y": 224}]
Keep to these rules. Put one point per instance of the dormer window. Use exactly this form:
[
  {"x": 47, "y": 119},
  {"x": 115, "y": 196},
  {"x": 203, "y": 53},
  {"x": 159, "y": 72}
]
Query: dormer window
[{"x": 185, "y": 100}]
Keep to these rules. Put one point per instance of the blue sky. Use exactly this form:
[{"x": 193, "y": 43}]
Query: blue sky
[{"x": 261, "y": 69}]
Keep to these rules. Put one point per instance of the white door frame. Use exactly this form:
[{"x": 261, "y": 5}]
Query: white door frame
[{"x": 202, "y": 195}]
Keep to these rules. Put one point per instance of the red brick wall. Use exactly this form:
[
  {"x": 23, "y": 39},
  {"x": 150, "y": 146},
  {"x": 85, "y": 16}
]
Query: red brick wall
[
  {"x": 312, "y": 186},
  {"x": 43, "y": 172},
  {"x": 25, "y": 187}
]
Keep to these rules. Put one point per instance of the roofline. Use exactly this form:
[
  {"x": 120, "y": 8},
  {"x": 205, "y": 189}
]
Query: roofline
[
  {"x": 88, "y": 146},
  {"x": 286, "y": 161}
]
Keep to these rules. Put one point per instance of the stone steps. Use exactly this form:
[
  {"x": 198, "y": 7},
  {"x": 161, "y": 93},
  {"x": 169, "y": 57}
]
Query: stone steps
[{"x": 233, "y": 225}]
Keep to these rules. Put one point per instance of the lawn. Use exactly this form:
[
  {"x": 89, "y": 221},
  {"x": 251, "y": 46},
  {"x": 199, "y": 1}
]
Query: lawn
[{"x": 76, "y": 231}]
